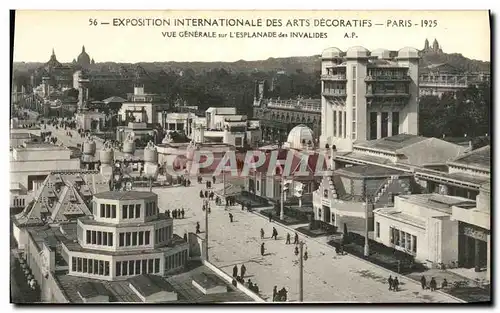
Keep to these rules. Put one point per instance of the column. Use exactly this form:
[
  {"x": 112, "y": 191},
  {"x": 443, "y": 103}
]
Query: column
[
  {"x": 337, "y": 126},
  {"x": 389, "y": 125},
  {"x": 477, "y": 268},
  {"x": 379, "y": 125}
]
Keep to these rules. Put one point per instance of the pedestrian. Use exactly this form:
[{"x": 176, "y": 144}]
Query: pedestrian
[
  {"x": 275, "y": 292},
  {"x": 288, "y": 238},
  {"x": 242, "y": 206},
  {"x": 271, "y": 217},
  {"x": 230, "y": 217},
  {"x": 275, "y": 233},
  {"x": 235, "y": 271},
  {"x": 395, "y": 284},
  {"x": 206, "y": 193},
  {"x": 262, "y": 249},
  {"x": 433, "y": 284},
  {"x": 444, "y": 284},
  {"x": 256, "y": 289},
  {"x": 243, "y": 270},
  {"x": 182, "y": 212},
  {"x": 209, "y": 210},
  {"x": 423, "y": 282},
  {"x": 174, "y": 213},
  {"x": 168, "y": 213},
  {"x": 235, "y": 283},
  {"x": 261, "y": 233},
  {"x": 390, "y": 281},
  {"x": 296, "y": 239},
  {"x": 283, "y": 294},
  {"x": 198, "y": 227},
  {"x": 250, "y": 284},
  {"x": 296, "y": 251},
  {"x": 306, "y": 255},
  {"x": 213, "y": 179},
  {"x": 201, "y": 194}
]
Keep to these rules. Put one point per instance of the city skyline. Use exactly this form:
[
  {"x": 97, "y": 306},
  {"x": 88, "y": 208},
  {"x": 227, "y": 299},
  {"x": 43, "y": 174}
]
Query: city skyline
[{"x": 133, "y": 45}]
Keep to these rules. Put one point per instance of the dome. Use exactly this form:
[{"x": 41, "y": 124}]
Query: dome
[
  {"x": 383, "y": 54},
  {"x": 83, "y": 58},
  {"x": 408, "y": 53},
  {"x": 300, "y": 135},
  {"x": 357, "y": 52},
  {"x": 331, "y": 53}
]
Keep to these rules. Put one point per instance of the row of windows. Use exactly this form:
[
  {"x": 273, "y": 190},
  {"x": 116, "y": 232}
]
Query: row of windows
[
  {"x": 90, "y": 266},
  {"x": 137, "y": 267},
  {"x": 19, "y": 202},
  {"x": 337, "y": 115},
  {"x": 108, "y": 211},
  {"x": 99, "y": 238},
  {"x": 384, "y": 127},
  {"x": 151, "y": 208},
  {"x": 175, "y": 260},
  {"x": 136, "y": 238},
  {"x": 162, "y": 234},
  {"x": 131, "y": 211},
  {"x": 401, "y": 239}
]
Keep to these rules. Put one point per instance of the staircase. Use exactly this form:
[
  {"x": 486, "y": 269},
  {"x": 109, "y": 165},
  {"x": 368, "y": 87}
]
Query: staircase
[{"x": 384, "y": 187}]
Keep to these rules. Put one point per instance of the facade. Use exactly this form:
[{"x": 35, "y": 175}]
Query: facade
[
  {"x": 137, "y": 130},
  {"x": 31, "y": 163},
  {"x": 421, "y": 225},
  {"x": 86, "y": 119},
  {"x": 368, "y": 95},
  {"x": 178, "y": 122},
  {"x": 278, "y": 117},
  {"x": 223, "y": 125},
  {"x": 142, "y": 107}
]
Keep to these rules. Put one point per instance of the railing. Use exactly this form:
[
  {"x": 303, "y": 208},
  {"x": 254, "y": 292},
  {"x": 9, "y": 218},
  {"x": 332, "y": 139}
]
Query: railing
[
  {"x": 334, "y": 93},
  {"x": 383, "y": 93},
  {"x": 303, "y": 105},
  {"x": 387, "y": 78},
  {"x": 338, "y": 77}
]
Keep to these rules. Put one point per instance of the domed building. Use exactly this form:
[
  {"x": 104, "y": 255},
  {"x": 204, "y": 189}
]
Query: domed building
[
  {"x": 83, "y": 59},
  {"x": 300, "y": 137}
]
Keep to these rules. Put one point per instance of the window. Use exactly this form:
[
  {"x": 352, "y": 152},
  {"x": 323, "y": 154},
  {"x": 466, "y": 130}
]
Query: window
[
  {"x": 395, "y": 123},
  {"x": 96, "y": 267},
  {"x": 373, "y": 125},
  {"x": 345, "y": 124},
  {"x": 354, "y": 72},
  {"x": 134, "y": 238},
  {"x": 403, "y": 240},
  {"x": 73, "y": 264},
  {"x": 88, "y": 236},
  {"x": 108, "y": 211},
  {"x": 94, "y": 240},
  {"x": 91, "y": 267},
  {"x": 118, "y": 268},
  {"x": 141, "y": 238},
  {"x": 85, "y": 262},
  {"x": 102, "y": 210},
  {"x": 110, "y": 239},
  {"x": 124, "y": 211},
  {"x": 144, "y": 266},
  {"x": 122, "y": 239},
  {"x": 377, "y": 230},
  {"x": 104, "y": 238},
  {"x": 125, "y": 268},
  {"x": 157, "y": 238},
  {"x": 113, "y": 211},
  {"x": 137, "y": 210},
  {"x": 238, "y": 141},
  {"x": 147, "y": 235},
  {"x": 131, "y": 267},
  {"x": 99, "y": 238},
  {"x": 131, "y": 211},
  {"x": 101, "y": 267},
  {"x": 385, "y": 123},
  {"x": 127, "y": 239},
  {"x": 106, "y": 268},
  {"x": 340, "y": 125},
  {"x": 157, "y": 265},
  {"x": 150, "y": 266},
  {"x": 414, "y": 244},
  {"x": 137, "y": 267}
]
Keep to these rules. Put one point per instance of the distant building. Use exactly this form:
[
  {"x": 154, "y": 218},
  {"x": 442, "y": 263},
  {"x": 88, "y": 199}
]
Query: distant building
[
  {"x": 434, "y": 49},
  {"x": 142, "y": 107},
  {"x": 223, "y": 125}
]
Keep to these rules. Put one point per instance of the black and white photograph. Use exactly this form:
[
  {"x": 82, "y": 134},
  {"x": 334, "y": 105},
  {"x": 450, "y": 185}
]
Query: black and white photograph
[{"x": 256, "y": 157}]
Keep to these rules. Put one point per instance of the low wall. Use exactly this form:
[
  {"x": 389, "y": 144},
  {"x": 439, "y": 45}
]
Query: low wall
[{"x": 229, "y": 279}]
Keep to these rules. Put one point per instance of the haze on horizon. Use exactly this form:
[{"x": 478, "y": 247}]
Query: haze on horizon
[{"x": 146, "y": 44}]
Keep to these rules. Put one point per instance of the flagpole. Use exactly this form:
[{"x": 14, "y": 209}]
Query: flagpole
[{"x": 282, "y": 211}]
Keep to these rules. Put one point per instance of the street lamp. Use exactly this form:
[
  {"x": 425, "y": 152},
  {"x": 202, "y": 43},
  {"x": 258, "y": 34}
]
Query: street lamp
[
  {"x": 206, "y": 231},
  {"x": 303, "y": 257},
  {"x": 368, "y": 202},
  {"x": 284, "y": 187}
]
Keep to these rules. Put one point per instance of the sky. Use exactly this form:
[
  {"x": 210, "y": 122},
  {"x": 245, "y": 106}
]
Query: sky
[{"x": 38, "y": 32}]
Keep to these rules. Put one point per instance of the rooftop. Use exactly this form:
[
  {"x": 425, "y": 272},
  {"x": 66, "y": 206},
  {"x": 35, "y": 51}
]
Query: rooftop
[
  {"x": 438, "y": 202},
  {"x": 40, "y": 146},
  {"x": 370, "y": 171},
  {"x": 148, "y": 284},
  {"x": 479, "y": 158},
  {"x": 181, "y": 283},
  {"x": 92, "y": 289},
  {"x": 400, "y": 216},
  {"x": 125, "y": 195}
]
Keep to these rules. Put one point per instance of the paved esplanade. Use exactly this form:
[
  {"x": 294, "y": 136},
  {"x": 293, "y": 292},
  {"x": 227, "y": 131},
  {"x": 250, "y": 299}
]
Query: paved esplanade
[{"x": 327, "y": 277}]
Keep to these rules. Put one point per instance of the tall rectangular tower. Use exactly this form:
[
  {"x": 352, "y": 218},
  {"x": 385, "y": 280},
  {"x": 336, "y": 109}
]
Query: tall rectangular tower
[{"x": 368, "y": 95}]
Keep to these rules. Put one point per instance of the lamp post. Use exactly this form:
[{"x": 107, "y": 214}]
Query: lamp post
[
  {"x": 206, "y": 232},
  {"x": 302, "y": 258},
  {"x": 367, "y": 205}
]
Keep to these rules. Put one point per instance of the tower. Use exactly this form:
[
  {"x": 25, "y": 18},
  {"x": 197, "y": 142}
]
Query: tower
[
  {"x": 408, "y": 57},
  {"x": 435, "y": 45},
  {"x": 83, "y": 94},
  {"x": 46, "y": 86},
  {"x": 426, "y": 45}
]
